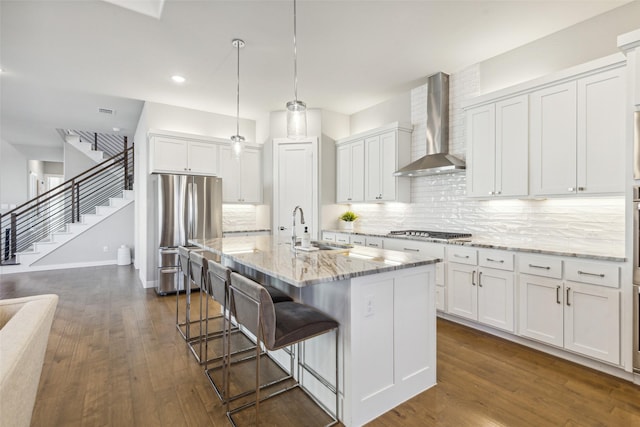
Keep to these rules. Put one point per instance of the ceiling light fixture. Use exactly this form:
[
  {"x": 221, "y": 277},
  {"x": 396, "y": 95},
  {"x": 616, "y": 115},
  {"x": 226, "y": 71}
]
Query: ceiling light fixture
[
  {"x": 238, "y": 140},
  {"x": 296, "y": 110},
  {"x": 178, "y": 79}
]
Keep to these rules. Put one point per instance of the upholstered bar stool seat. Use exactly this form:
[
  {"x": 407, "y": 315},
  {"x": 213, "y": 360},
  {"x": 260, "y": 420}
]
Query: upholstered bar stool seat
[{"x": 278, "y": 326}]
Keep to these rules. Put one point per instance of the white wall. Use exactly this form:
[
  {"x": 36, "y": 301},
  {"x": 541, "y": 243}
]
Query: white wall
[
  {"x": 75, "y": 162},
  {"x": 88, "y": 247},
  {"x": 13, "y": 176},
  {"x": 397, "y": 109},
  {"x": 575, "y": 45}
]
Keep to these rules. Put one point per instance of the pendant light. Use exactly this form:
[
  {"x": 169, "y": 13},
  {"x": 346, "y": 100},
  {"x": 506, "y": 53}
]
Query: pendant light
[
  {"x": 296, "y": 110},
  {"x": 237, "y": 141}
]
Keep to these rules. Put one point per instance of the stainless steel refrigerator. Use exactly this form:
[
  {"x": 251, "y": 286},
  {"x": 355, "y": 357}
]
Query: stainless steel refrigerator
[{"x": 189, "y": 207}]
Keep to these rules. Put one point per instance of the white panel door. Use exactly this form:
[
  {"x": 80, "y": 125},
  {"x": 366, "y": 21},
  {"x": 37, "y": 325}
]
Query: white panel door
[
  {"x": 203, "y": 158},
  {"x": 601, "y": 132},
  {"x": 592, "y": 321},
  {"x": 296, "y": 168},
  {"x": 230, "y": 173},
  {"x": 388, "y": 166},
  {"x": 462, "y": 298},
  {"x": 169, "y": 155},
  {"x": 251, "y": 176},
  {"x": 512, "y": 147},
  {"x": 553, "y": 140},
  {"x": 372, "y": 185},
  {"x": 495, "y": 298},
  {"x": 541, "y": 309},
  {"x": 480, "y": 128}
]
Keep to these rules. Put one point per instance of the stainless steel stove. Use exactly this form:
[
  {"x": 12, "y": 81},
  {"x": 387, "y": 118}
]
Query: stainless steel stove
[{"x": 432, "y": 235}]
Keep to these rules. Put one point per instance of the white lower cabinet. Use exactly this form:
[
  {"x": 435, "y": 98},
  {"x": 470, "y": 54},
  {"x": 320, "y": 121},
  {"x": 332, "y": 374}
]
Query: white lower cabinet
[
  {"x": 576, "y": 316},
  {"x": 479, "y": 293}
]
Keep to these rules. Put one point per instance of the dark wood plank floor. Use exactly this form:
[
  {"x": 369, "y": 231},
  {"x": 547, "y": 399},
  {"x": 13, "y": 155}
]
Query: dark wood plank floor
[{"x": 115, "y": 359}]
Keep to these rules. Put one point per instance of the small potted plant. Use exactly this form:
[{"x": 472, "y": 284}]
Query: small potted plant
[{"x": 347, "y": 219}]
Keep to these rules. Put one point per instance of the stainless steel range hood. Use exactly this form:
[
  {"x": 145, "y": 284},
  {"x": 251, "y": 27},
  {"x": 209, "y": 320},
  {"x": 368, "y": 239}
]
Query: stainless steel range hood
[{"x": 438, "y": 160}]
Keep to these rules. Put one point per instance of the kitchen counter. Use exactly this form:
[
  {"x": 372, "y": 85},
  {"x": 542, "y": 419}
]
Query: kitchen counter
[
  {"x": 275, "y": 259},
  {"x": 595, "y": 252},
  {"x": 384, "y": 301}
]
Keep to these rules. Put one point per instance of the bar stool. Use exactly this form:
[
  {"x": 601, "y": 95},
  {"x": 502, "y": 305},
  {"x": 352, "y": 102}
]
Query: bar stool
[
  {"x": 218, "y": 284},
  {"x": 278, "y": 326},
  {"x": 183, "y": 252}
]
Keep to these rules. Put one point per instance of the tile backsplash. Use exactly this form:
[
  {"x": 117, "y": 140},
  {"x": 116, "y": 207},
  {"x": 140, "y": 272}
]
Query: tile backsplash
[{"x": 439, "y": 202}]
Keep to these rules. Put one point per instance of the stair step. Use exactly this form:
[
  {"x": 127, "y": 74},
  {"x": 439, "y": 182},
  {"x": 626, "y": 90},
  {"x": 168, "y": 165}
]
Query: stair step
[
  {"x": 118, "y": 202},
  {"x": 128, "y": 194},
  {"x": 105, "y": 210}
]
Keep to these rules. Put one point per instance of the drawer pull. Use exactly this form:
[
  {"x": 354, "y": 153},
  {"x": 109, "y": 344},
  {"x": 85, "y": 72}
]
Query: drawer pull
[
  {"x": 501, "y": 261},
  {"x": 585, "y": 273},
  {"x": 375, "y": 245},
  {"x": 412, "y": 250},
  {"x": 461, "y": 256},
  {"x": 544, "y": 267}
]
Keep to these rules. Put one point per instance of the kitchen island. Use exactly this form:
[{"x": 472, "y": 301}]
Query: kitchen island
[{"x": 384, "y": 301}]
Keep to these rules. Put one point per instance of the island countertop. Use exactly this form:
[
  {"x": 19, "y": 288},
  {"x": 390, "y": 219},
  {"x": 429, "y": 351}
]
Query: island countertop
[{"x": 300, "y": 268}]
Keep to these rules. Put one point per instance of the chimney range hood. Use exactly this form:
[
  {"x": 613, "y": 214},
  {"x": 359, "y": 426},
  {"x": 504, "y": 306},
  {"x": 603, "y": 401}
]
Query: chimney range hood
[{"x": 438, "y": 160}]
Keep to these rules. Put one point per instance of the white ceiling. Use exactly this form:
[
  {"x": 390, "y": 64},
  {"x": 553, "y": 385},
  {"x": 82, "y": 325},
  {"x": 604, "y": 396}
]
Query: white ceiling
[{"x": 65, "y": 59}]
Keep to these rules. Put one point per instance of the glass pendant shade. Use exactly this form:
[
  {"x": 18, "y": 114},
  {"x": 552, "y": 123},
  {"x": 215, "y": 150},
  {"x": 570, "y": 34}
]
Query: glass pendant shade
[
  {"x": 296, "y": 119},
  {"x": 237, "y": 145}
]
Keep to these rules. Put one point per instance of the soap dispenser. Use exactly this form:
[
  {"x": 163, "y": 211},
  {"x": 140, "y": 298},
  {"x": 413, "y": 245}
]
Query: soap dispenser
[{"x": 306, "y": 238}]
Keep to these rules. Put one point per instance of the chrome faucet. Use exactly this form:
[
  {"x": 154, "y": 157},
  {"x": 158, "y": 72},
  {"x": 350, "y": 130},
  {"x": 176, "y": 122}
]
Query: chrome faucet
[{"x": 293, "y": 227}]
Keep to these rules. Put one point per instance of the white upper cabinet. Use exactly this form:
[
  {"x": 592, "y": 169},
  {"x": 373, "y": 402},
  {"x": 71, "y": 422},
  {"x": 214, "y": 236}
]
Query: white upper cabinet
[
  {"x": 497, "y": 149},
  {"x": 182, "y": 155},
  {"x": 383, "y": 151},
  {"x": 577, "y": 136},
  {"x": 241, "y": 177},
  {"x": 350, "y": 172}
]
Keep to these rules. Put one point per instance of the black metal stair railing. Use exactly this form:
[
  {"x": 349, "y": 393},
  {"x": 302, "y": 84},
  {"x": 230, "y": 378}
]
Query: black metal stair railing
[{"x": 50, "y": 212}]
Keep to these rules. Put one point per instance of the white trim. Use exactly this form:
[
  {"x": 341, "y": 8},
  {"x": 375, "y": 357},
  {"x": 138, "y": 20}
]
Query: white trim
[{"x": 21, "y": 268}]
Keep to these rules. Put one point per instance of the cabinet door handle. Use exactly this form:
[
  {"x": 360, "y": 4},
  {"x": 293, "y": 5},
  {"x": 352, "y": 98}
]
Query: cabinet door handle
[
  {"x": 571, "y": 189},
  {"x": 558, "y": 295},
  {"x": 581, "y": 188},
  {"x": 501, "y": 261},
  {"x": 282, "y": 228},
  {"x": 480, "y": 279},
  {"x": 473, "y": 278},
  {"x": 412, "y": 250},
  {"x": 585, "y": 273},
  {"x": 375, "y": 245},
  {"x": 568, "y": 289},
  {"x": 461, "y": 256},
  {"x": 545, "y": 267},
  {"x": 491, "y": 193},
  {"x": 349, "y": 198}
]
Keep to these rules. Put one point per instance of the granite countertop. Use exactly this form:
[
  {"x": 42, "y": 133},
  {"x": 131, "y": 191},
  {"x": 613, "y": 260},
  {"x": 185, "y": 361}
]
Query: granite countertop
[
  {"x": 596, "y": 252},
  {"x": 265, "y": 254}
]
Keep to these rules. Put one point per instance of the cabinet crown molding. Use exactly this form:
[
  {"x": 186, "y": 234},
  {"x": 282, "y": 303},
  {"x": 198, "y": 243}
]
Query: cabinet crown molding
[{"x": 399, "y": 126}]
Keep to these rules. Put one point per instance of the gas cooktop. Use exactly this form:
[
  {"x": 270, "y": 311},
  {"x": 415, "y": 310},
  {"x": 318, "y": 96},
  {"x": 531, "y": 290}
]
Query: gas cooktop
[{"x": 438, "y": 235}]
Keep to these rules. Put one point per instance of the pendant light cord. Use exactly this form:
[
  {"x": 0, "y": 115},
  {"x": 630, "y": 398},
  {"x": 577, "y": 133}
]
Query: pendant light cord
[
  {"x": 295, "y": 56},
  {"x": 238, "y": 94}
]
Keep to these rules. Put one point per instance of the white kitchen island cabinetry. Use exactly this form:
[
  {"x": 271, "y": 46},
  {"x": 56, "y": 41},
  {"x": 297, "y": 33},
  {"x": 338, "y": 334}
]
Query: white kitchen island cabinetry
[
  {"x": 575, "y": 315},
  {"x": 241, "y": 177},
  {"x": 480, "y": 286},
  {"x": 172, "y": 152},
  {"x": 498, "y": 148},
  {"x": 350, "y": 172},
  {"x": 577, "y": 136}
]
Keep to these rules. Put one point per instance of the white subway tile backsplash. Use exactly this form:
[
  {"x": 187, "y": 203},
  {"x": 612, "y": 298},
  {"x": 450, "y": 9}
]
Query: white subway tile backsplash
[{"x": 439, "y": 202}]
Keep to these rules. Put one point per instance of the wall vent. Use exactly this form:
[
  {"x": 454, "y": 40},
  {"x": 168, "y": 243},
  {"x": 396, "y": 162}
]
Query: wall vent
[{"x": 106, "y": 111}]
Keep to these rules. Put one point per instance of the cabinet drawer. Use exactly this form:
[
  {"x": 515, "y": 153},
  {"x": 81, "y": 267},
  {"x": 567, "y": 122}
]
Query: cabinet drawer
[
  {"x": 541, "y": 266},
  {"x": 375, "y": 242},
  {"x": 462, "y": 255},
  {"x": 593, "y": 272},
  {"x": 358, "y": 240},
  {"x": 496, "y": 259},
  {"x": 329, "y": 237},
  {"x": 342, "y": 238}
]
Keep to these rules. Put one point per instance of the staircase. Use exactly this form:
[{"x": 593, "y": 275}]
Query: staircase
[{"x": 48, "y": 222}]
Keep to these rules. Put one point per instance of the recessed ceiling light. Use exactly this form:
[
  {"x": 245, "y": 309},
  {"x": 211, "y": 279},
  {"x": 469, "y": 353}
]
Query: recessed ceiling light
[{"x": 178, "y": 79}]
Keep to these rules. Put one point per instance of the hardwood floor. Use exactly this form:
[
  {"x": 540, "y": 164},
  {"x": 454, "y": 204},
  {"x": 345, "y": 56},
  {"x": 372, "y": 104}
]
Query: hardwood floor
[{"x": 115, "y": 359}]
